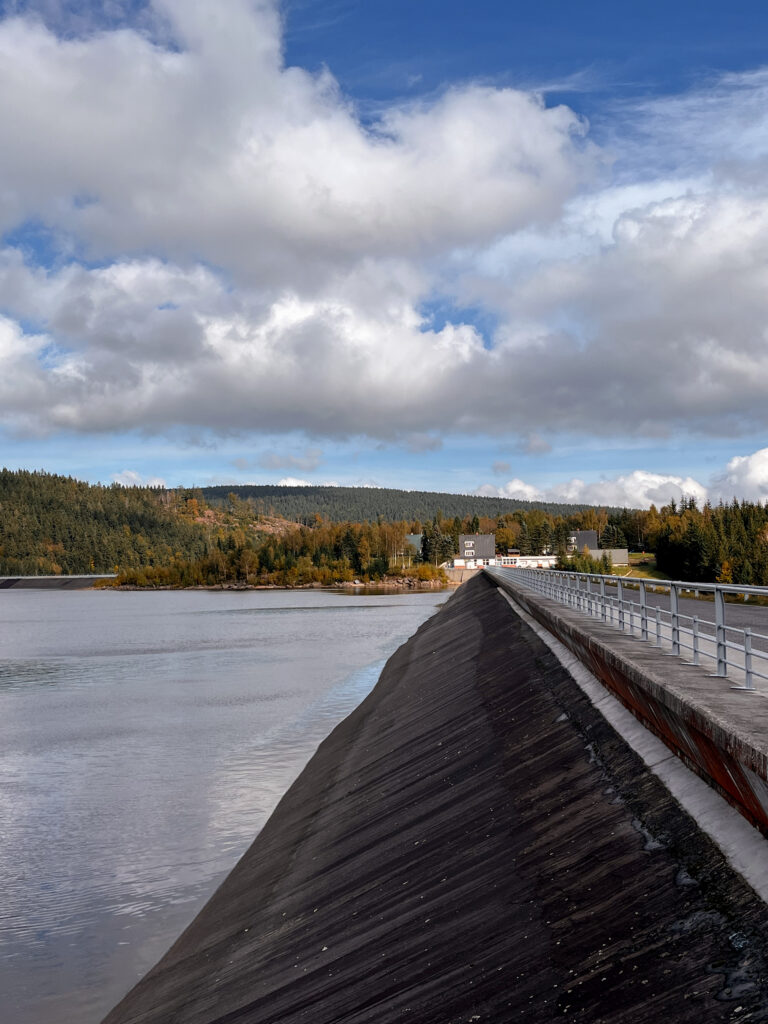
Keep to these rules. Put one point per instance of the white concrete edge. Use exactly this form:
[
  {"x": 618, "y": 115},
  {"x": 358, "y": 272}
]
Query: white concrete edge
[{"x": 742, "y": 845}]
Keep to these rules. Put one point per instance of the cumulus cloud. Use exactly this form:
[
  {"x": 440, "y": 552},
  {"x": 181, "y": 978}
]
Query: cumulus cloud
[
  {"x": 212, "y": 147},
  {"x": 638, "y": 489},
  {"x": 745, "y": 476},
  {"x": 515, "y": 488},
  {"x": 163, "y": 158},
  {"x": 130, "y": 478},
  {"x": 238, "y": 251}
]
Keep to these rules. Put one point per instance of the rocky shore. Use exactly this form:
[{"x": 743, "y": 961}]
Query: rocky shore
[{"x": 394, "y": 583}]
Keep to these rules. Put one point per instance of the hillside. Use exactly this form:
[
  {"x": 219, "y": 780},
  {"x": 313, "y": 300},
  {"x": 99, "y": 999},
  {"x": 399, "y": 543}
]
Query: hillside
[
  {"x": 257, "y": 535},
  {"x": 367, "y": 504},
  {"x": 54, "y": 524},
  {"x": 250, "y": 535}
]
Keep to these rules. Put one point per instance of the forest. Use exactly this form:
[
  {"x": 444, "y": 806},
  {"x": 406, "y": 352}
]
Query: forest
[
  {"x": 725, "y": 544},
  {"x": 369, "y": 504},
  {"x": 53, "y": 524},
  {"x": 159, "y": 537}
]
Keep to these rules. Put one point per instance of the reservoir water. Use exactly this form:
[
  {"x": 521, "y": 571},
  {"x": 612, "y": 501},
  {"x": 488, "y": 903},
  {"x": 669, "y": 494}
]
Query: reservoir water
[{"x": 144, "y": 740}]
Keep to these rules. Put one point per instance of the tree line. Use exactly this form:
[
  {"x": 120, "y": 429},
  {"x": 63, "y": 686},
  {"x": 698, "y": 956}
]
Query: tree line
[
  {"x": 53, "y": 524},
  {"x": 727, "y": 543},
  {"x": 323, "y": 554}
]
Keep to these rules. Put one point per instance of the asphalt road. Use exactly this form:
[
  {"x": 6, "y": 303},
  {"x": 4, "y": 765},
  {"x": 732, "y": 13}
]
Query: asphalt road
[{"x": 737, "y": 615}]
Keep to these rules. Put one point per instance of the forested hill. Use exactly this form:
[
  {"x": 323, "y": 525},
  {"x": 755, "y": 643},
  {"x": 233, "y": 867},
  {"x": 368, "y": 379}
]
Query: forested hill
[
  {"x": 367, "y": 504},
  {"x": 53, "y": 524}
]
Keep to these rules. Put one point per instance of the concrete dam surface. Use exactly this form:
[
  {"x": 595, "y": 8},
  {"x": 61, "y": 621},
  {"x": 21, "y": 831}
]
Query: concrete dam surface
[{"x": 473, "y": 843}]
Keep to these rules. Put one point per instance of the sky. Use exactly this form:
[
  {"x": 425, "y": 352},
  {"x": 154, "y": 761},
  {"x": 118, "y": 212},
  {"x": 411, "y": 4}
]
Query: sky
[{"x": 496, "y": 248}]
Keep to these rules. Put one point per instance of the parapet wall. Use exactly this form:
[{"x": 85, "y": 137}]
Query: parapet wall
[{"x": 720, "y": 733}]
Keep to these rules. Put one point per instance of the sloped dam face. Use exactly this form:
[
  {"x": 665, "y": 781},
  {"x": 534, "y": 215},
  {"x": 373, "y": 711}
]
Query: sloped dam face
[{"x": 474, "y": 843}]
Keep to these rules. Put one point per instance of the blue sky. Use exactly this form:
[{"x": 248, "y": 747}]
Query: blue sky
[{"x": 499, "y": 248}]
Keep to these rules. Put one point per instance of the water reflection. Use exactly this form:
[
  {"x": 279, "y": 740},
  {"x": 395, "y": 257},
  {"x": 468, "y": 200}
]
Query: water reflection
[{"x": 144, "y": 739}]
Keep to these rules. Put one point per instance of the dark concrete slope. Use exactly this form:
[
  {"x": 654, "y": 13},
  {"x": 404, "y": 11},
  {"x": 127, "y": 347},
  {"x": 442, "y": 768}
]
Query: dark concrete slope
[{"x": 474, "y": 843}]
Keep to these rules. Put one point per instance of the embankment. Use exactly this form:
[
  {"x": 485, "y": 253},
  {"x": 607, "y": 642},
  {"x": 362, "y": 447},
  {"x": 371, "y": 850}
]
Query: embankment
[
  {"x": 719, "y": 732},
  {"x": 473, "y": 843}
]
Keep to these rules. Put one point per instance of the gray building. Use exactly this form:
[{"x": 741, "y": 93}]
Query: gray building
[
  {"x": 581, "y": 539},
  {"x": 618, "y": 556},
  {"x": 477, "y": 545}
]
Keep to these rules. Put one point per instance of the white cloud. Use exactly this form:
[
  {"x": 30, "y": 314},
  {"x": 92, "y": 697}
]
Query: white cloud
[
  {"x": 164, "y": 161},
  {"x": 130, "y": 478},
  {"x": 638, "y": 489},
  {"x": 262, "y": 255},
  {"x": 214, "y": 149},
  {"x": 292, "y": 481},
  {"x": 515, "y": 488},
  {"x": 745, "y": 476},
  {"x": 724, "y": 121}
]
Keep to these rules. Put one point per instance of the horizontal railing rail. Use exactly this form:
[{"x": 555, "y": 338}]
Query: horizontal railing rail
[{"x": 627, "y": 603}]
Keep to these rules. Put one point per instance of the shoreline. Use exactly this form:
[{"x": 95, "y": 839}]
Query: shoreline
[{"x": 403, "y": 585}]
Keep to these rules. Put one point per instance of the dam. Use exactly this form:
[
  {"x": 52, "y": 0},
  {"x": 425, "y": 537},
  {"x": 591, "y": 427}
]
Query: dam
[{"x": 475, "y": 842}]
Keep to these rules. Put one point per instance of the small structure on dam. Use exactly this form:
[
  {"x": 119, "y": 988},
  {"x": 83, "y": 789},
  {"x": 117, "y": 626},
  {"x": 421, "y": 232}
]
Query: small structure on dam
[{"x": 473, "y": 843}]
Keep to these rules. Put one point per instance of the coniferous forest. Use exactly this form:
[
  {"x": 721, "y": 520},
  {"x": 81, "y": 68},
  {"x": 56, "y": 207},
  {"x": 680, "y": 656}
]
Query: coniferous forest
[
  {"x": 53, "y": 525},
  {"x": 361, "y": 504}
]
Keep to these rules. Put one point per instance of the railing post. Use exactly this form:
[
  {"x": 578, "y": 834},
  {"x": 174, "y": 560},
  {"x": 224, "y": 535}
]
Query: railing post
[
  {"x": 673, "y": 608},
  {"x": 567, "y": 588},
  {"x": 722, "y": 650},
  {"x": 748, "y": 658},
  {"x": 643, "y": 613}
]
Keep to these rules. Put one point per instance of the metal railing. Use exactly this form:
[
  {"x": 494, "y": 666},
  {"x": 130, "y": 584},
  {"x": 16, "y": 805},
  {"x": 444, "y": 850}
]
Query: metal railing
[{"x": 627, "y": 603}]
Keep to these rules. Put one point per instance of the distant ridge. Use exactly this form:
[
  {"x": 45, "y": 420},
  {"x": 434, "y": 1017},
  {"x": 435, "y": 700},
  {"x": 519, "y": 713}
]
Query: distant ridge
[{"x": 366, "y": 504}]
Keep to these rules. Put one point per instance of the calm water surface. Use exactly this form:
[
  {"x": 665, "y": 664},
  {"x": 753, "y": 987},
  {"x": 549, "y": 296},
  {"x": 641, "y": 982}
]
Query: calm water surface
[{"x": 144, "y": 739}]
